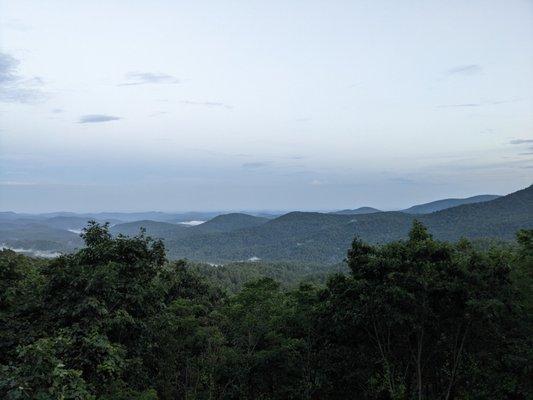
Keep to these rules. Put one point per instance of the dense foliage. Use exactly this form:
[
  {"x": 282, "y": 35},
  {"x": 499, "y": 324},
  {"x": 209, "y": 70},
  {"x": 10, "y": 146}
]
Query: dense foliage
[
  {"x": 413, "y": 319},
  {"x": 232, "y": 277},
  {"x": 323, "y": 238}
]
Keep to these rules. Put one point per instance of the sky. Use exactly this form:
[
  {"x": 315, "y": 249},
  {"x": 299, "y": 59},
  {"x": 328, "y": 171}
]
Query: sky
[{"x": 123, "y": 105}]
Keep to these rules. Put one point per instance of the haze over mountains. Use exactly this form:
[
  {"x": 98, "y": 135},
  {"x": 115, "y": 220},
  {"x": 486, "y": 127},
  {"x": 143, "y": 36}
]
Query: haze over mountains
[
  {"x": 448, "y": 203},
  {"x": 360, "y": 210},
  {"x": 425, "y": 208},
  {"x": 294, "y": 236}
]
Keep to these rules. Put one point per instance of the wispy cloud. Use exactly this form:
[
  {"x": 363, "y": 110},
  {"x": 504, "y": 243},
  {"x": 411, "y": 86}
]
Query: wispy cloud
[
  {"x": 479, "y": 104},
  {"x": 469, "y": 69},
  {"x": 146, "y": 78},
  {"x": 521, "y": 141},
  {"x": 496, "y": 102},
  {"x": 96, "y": 118},
  {"x": 209, "y": 104},
  {"x": 15, "y": 88}
]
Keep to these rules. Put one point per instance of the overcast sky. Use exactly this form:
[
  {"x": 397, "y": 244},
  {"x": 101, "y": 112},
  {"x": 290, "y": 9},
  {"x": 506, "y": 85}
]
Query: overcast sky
[{"x": 226, "y": 105}]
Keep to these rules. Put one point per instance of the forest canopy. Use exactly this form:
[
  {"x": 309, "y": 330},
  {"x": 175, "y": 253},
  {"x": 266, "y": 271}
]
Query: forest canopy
[{"x": 413, "y": 319}]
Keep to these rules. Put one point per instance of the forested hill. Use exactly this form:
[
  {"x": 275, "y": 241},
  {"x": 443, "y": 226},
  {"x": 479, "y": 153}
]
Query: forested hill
[
  {"x": 229, "y": 222},
  {"x": 317, "y": 237},
  {"x": 360, "y": 210},
  {"x": 438, "y": 205},
  {"x": 296, "y": 236},
  {"x": 496, "y": 218},
  {"x": 153, "y": 228}
]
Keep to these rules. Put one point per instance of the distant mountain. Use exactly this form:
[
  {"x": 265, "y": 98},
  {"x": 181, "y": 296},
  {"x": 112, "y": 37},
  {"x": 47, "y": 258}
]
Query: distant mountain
[
  {"x": 438, "y": 205},
  {"x": 156, "y": 229},
  {"x": 206, "y": 216},
  {"x": 132, "y": 216},
  {"x": 360, "y": 210},
  {"x": 193, "y": 216},
  {"x": 59, "y": 214},
  {"x": 318, "y": 237},
  {"x": 31, "y": 235},
  {"x": 59, "y": 231},
  {"x": 266, "y": 214},
  {"x": 116, "y": 217},
  {"x": 125, "y": 216},
  {"x": 72, "y": 223},
  {"x": 10, "y": 216},
  {"x": 166, "y": 230},
  {"x": 296, "y": 236},
  {"x": 499, "y": 218},
  {"x": 229, "y": 222}
]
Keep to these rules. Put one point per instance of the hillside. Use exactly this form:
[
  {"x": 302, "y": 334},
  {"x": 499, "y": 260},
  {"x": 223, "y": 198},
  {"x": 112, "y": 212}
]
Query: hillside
[
  {"x": 438, "y": 205},
  {"x": 499, "y": 218},
  {"x": 32, "y": 235},
  {"x": 295, "y": 236},
  {"x": 229, "y": 222},
  {"x": 304, "y": 236},
  {"x": 360, "y": 210},
  {"x": 73, "y": 222},
  {"x": 156, "y": 229},
  {"x": 165, "y": 230}
]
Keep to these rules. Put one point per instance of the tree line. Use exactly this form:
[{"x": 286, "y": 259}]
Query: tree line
[{"x": 413, "y": 319}]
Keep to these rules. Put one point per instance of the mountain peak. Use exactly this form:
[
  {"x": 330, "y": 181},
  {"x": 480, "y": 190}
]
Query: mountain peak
[{"x": 443, "y": 204}]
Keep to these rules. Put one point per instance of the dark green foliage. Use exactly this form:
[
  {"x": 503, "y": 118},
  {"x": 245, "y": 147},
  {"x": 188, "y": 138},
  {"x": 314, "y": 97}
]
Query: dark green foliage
[
  {"x": 21, "y": 284},
  {"x": 233, "y": 276},
  {"x": 263, "y": 359},
  {"x": 413, "y": 319},
  {"x": 112, "y": 320},
  {"x": 433, "y": 321}
]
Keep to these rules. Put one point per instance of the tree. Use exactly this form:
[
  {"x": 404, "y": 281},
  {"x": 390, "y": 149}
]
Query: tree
[
  {"x": 263, "y": 360},
  {"x": 112, "y": 321},
  {"x": 426, "y": 315},
  {"x": 414, "y": 319}
]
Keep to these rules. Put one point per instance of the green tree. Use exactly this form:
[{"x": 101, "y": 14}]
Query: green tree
[
  {"x": 113, "y": 320},
  {"x": 263, "y": 360},
  {"x": 414, "y": 319},
  {"x": 428, "y": 317}
]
